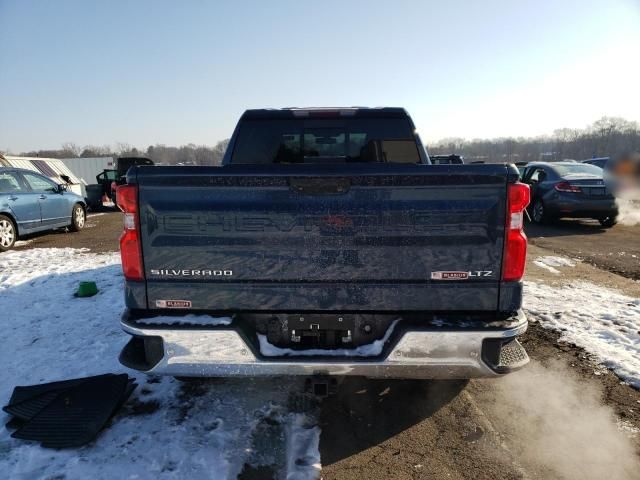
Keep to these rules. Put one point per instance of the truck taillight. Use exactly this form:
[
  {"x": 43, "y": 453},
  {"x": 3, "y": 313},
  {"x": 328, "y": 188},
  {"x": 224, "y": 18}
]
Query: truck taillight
[
  {"x": 515, "y": 245},
  {"x": 130, "y": 251}
]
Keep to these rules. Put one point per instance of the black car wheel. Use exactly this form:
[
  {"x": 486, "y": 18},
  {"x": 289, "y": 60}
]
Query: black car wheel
[
  {"x": 608, "y": 222},
  {"x": 78, "y": 218},
  {"x": 538, "y": 214},
  {"x": 8, "y": 233}
]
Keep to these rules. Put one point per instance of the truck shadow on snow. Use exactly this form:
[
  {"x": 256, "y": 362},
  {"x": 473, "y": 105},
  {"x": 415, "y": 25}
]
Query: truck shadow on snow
[{"x": 365, "y": 412}]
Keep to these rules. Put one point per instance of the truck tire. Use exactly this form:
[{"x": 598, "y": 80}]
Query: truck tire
[
  {"x": 8, "y": 233},
  {"x": 78, "y": 218}
]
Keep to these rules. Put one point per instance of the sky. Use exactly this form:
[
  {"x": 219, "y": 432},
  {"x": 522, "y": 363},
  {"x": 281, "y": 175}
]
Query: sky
[{"x": 149, "y": 72}]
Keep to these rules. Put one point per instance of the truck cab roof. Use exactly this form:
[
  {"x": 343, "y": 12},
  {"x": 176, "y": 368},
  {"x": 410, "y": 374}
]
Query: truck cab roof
[
  {"x": 326, "y": 112},
  {"x": 325, "y": 135}
]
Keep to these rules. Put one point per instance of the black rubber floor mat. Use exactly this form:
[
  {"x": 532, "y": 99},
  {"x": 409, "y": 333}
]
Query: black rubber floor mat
[
  {"x": 21, "y": 394},
  {"x": 14, "y": 423},
  {"x": 29, "y": 408},
  {"x": 131, "y": 386},
  {"x": 78, "y": 413}
]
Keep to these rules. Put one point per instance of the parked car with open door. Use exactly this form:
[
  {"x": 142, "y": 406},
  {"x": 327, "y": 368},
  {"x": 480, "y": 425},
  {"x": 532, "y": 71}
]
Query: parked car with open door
[{"x": 569, "y": 189}]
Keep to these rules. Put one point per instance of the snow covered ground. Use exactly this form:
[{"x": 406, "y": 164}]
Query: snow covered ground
[
  {"x": 168, "y": 430},
  {"x": 602, "y": 321},
  {"x": 550, "y": 262}
]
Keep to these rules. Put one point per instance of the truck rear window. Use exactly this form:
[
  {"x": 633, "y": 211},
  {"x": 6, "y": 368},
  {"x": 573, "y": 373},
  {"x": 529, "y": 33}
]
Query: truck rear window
[{"x": 262, "y": 141}]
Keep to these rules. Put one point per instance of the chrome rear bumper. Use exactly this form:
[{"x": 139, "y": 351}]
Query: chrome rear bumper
[{"x": 419, "y": 354}]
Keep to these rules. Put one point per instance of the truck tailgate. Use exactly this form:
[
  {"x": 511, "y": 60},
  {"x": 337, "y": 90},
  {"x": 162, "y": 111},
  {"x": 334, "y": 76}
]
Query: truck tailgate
[{"x": 365, "y": 237}]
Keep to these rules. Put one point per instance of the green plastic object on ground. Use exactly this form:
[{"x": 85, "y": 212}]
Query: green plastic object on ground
[{"x": 86, "y": 289}]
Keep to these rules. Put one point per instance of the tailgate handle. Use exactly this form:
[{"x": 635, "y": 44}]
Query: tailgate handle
[{"x": 320, "y": 186}]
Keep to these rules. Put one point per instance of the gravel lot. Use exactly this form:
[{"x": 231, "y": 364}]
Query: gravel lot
[
  {"x": 543, "y": 422},
  {"x": 616, "y": 249},
  {"x": 100, "y": 235}
]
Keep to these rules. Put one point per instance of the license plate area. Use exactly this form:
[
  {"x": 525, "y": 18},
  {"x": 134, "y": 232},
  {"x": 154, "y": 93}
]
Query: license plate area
[
  {"x": 597, "y": 191},
  {"x": 321, "y": 331},
  {"x": 300, "y": 331}
]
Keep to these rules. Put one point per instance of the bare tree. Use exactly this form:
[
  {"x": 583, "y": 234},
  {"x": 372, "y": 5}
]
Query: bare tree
[
  {"x": 609, "y": 136},
  {"x": 71, "y": 149},
  {"x": 94, "y": 151}
]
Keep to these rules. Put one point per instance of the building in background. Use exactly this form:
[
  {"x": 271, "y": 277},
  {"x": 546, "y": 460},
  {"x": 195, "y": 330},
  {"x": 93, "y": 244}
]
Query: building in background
[
  {"x": 53, "y": 168},
  {"x": 86, "y": 169}
]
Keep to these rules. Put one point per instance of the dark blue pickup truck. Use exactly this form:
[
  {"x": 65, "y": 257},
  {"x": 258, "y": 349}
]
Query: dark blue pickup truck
[{"x": 326, "y": 244}]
